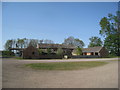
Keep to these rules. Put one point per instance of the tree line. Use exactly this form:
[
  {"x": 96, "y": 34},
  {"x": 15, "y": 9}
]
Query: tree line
[
  {"x": 71, "y": 41},
  {"x": 24, "y": 43},
  {"x": 110, "y": 30}
]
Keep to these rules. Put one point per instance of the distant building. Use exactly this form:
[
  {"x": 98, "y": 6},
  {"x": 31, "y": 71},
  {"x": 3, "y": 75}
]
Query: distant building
[
  {"x": 32, "y": 52},
  {"x": 69, "y": 51},
  {"x": 94, "y": 52}
]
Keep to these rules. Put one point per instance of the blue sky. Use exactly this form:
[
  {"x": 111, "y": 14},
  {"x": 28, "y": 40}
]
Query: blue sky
[{"x": 54, "y": 21}]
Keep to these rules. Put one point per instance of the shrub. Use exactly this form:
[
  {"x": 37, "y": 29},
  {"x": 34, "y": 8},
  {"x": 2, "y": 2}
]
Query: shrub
[
  {"x": 49, "y": 51},
  {"x": 78, "y": 51},
  {"x": 40, "y": 51},
  {"x": 59, "y": 51},
  {"x": 7, "y": 53}
]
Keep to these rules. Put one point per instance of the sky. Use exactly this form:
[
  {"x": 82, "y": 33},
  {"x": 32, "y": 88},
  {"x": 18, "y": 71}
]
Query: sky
[{"x": 54, "y": 20}]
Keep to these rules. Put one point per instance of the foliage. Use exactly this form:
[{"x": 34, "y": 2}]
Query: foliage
[
  {"x": 78, "y": 51},
  {"x": 49, "y": 51},
  {"x": 74, "y": 42},
  {"x": 46, "y": 41},
  {"x": 95, "y": 41},
  {"x": 111, "y": 43},
  {"x": 24, "y": 43},
  {"x": 59, "y": 51},
  {"x": 79, "y": 43},
  {"x": 110, "y": 29},
  {"x": 112, "y": 56},
  {"x": 8, "y": 44},
  {"x": 7, "y": 53},
  {"x": 20, "y": 43},
  {"x": 0, "y": 53},
  {"x": 65, "y": 65},
  {"x": 33, "y": 42},
  {"x": 40, "y": 51}
]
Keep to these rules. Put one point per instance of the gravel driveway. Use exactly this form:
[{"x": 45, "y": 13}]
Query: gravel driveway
[{"x": 16, "y": 76}]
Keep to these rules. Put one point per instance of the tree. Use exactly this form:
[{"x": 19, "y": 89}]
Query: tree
[
  {"x": 14, "y": 43},
  {"x": 33, "y": 42},
  {"x": 110, "y": 30},
  {"x": 20, "y": 43},
  {"x": 69, "y": 41},
  {"x": 48, "y": 41},
  {"x": 79, "y": 43},
  {"x": 8, "y": 44},
  {"x": 95, "y": 41},
  {"x": 26, "y": 42},
  {"x": 74, "y": 42},
  {"x": 41, "y": 41}
]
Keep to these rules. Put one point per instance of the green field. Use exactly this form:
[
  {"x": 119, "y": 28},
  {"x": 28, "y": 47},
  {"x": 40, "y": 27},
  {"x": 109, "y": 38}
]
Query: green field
[{"x": 65, "y": 65}]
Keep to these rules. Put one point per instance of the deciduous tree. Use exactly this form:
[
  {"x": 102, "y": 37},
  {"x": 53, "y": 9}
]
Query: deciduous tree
[
  {"x": 95, "y": 41},
  {"x": 74, "y": 42},
  {"x": 110, "y": 29}
]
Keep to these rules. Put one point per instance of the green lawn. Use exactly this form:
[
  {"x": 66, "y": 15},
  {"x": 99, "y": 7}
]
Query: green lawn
[{"x": 65, "y": 65}]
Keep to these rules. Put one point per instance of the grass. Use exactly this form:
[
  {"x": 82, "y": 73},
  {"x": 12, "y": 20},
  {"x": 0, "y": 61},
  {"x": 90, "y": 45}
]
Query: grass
[
  {"x": 65, "y": 65},
  {"x": 18, "y": 57}
]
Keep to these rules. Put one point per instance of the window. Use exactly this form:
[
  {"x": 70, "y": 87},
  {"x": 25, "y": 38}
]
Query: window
[{"x": 88, "y": 53}]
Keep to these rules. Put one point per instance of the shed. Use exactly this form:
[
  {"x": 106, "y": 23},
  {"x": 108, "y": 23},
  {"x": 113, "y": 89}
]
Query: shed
[
  {"x": 30, "y": 52},
  {"x": 95, "y": 51}
]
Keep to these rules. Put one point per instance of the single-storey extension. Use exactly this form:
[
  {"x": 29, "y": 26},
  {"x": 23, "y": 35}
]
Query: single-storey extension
[{"x": 94, "y": 52}]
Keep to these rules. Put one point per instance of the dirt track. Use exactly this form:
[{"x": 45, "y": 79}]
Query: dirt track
[{"x": 15, "y": 76}]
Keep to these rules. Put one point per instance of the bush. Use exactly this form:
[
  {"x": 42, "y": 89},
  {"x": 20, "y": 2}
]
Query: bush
[
  {"x": 7, "y": 54},
  {"x": 111, "y": 56},
  {"x": 0, "y": 53},
  {"x": 40, "y": 51},
  {"x": 59, "y": 51},
  {"x": 78, "y": 51},
  {"x": 49, "y": 51}
]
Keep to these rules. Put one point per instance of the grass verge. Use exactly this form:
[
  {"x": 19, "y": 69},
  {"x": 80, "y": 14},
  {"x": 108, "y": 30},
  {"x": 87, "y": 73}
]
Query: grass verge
[{"x": 65, "y": 65}]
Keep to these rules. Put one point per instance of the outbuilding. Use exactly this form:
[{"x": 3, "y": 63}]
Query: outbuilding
[
  {"x": 95, "y": 51},
  {"x": 30, "y": 53}
]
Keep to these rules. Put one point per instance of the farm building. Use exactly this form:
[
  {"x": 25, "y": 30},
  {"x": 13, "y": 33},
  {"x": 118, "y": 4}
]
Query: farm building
[
  {"x": 67, "y": 49},
  {"x": 94, "y": 52},
  {"x": 32, "y": 52}
]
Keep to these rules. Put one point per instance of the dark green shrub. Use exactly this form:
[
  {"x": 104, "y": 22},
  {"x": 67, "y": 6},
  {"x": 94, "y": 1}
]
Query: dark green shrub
[
  {"x": 78, "y": 51},
  {"x": 7, "y": 54},
  {"x": 49, "y": 51},
  {"x": 59, "y": 51},
  {"x": 40, "y": 51}
]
